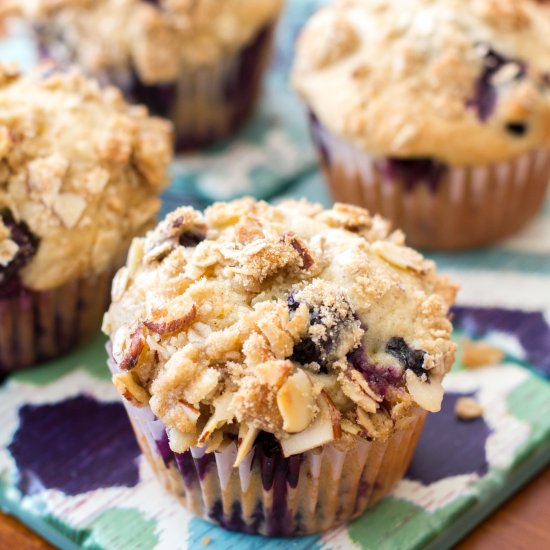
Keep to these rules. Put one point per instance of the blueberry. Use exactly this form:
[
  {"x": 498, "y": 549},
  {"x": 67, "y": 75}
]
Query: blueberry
[
  {"x": 322, "y": 349},
  {"x": 414, "y": 171},
  {"x": 28, "y": 245},
  {"x": 269, "y": 444},
  {"x": 306, "y": 351},
  {"x": 380, "y": 379},
  {"x": 159, "y": 98},
  {"x": 293, "y": 304},
  {"x": 409, "y": 358},
  {"x": 517, "y": 129},
  {"x": 191, "y": 238},
  {"x": 485, "y": 93}
]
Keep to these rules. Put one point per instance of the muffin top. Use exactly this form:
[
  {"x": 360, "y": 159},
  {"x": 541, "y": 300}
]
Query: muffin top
[
  {"x": 80, "y": 172},
  {"x": 314, "y": 325},
  {"x": 462, "y": 81},
  {"x": 156, "y": 36}
]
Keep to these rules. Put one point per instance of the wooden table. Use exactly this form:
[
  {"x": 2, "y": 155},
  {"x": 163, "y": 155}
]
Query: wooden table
[{"x": 523, "y": 523}]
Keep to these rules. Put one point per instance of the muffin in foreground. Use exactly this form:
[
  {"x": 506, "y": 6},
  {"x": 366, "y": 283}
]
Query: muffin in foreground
[
  {"x": 277, "y": 362},
  {"x": 433, "y": 114},
  {"x": 80, "y": 172},
  {"x": 197, "y": 62}
]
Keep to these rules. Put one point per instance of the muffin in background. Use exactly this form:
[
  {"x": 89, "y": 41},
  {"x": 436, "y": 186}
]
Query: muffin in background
[
  {"x": 80, "y": 175},
  {"x": 434, "y": 114},
  {"x": 277, "y": 362},
  {"x": 199, "y": 63}
]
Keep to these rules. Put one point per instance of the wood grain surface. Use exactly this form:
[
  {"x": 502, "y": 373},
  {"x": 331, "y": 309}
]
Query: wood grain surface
[
  {"x": 523, "y": 523},
  {"x": 16, "y": 536}
]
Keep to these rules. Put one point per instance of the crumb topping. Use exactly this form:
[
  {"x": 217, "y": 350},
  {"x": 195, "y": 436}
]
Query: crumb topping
[
  {"x": 468, "y": 409},
  {"x": 313, "y": 325},
  {"x": 413, "y": 78},
  {"x": 158, "y": 38},
  {"x": 480, "y": 354},
  {"x": 80, "y": 168}
]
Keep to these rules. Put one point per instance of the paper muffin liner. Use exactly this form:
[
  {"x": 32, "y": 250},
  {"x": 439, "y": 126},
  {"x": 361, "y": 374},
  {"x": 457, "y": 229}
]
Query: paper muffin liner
[
  {"x": 206, "y": 104},
  {"x": 271, "y": 495},
  {"x": 450, "y": 207},
  {"x": 37, "y": 326}
]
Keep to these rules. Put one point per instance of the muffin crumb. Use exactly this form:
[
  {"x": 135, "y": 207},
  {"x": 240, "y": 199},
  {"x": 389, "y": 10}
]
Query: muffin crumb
[
  {"x": 467, "y": 408},
  {"x": 479, "y": 354}
]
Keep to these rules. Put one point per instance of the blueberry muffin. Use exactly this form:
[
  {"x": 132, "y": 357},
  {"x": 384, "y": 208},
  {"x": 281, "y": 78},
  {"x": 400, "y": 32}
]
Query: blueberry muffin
[
  {"x": 80, "y": 173},
  {"x": 436, "y": 114},
  {"x": 198, "y": 62},
  {"x": 278, "y": 362}
]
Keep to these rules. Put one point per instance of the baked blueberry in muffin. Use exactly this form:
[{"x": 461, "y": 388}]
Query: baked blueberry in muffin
[{"x": 17, "y": 247}]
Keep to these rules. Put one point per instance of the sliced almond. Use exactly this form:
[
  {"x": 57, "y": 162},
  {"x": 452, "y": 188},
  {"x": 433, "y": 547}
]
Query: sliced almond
[
  {"x": 467, "y": 408},
  {"x": 247, "y": 436},
  {"x": 222, "y": 414},
  {"x": 479, "y": 354},
  {"x": 401, "y": 256},
  {"x": 364, "y": 420},
  {"x": 126, "y": 384},
  {"x": 377, "y": 426},
  {"x": 132, "y": 356},
  {"x": 335, "y": 416},
  {"x": 179, "y": 441},
  {"x": 349, "y": 427},
  {"x": 274, "y": 373},
  {"x": 356, "y": 392},
  {"x": 320, "y": 432},
  {"x": 8, "y": 251},
  {"x": 359, "y": 379},
  {"x": 174, "y": 325},
  {"x": 507, "y": 73},
  {"x": 120, "y": 284},
  {"x": 159, "y": 251},
  {"x": 215, "y": 441},
  {"x": 428, "y": 395},
  {"x": 300, "y": 246},
  {"x": 296, "y": 403},
  {"x": 69, "y": 207},
  {"x": 192, "y": 412},
  {"x": 135, "y": 255}
]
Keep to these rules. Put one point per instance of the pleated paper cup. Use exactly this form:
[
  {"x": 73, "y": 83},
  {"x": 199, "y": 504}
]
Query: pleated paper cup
[
  {"x": 38, "y": 326},
  {"x": 211, "y": 102},
  {"x": 269, "y": 494},
  {"x": 452, "y": 208},
  {"x": 207, "y": 103}
]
